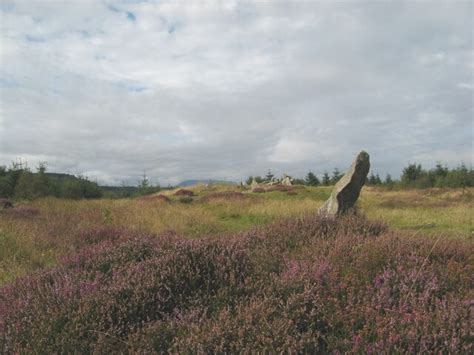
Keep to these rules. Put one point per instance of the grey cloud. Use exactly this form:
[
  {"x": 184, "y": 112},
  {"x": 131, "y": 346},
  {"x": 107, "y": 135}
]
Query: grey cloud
[{"x": 234, "y": 88}]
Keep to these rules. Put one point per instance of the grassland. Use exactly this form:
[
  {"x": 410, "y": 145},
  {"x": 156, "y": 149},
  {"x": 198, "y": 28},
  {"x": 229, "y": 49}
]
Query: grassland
[
  {"x": 34, "y": 236},
  {"x": 235, "y": 271}
]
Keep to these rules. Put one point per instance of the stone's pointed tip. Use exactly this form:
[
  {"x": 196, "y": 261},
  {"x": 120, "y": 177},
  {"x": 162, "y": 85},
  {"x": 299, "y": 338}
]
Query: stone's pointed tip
[{"x": 363, "y": 153}]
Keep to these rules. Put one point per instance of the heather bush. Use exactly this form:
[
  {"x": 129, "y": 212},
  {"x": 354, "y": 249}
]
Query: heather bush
[{"x": 307, "y": 285}]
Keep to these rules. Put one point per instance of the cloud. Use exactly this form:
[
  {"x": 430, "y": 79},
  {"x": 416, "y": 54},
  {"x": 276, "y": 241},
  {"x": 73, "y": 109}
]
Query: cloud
[{"x": 203, "y": 89}]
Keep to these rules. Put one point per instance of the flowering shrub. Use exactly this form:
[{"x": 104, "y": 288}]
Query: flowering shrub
[{"x": 299, "y": 285}]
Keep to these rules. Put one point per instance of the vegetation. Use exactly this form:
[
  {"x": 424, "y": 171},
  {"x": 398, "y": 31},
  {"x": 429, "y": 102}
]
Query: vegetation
[
  {"x": 237, "y": 271},
  {"x": 311, "y": 180},
  {"x": 413, "y": 176},
  {"x": 221, "y": 269},
  {"x": 20, "y": 183},
  {"x": 304, "y": 285}
]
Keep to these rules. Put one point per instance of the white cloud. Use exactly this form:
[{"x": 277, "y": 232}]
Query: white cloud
[{"x": 289, "y": 150}]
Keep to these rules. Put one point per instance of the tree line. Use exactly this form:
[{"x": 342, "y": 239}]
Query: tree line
[
  {"x": 413, "y": 176},
  {"x": 20, "y": 182}
]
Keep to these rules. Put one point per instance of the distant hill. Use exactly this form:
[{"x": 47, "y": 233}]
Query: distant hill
[
  {"x": 60, "y": 176},
  {"x": 209, "y": 181}
]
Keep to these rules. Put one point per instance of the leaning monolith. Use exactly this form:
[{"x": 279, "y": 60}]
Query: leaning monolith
[{"x": 347, "y": 190}]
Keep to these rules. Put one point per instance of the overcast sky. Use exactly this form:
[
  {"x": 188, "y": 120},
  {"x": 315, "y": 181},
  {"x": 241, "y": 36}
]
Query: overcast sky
[{"x": 226, "y": 89}]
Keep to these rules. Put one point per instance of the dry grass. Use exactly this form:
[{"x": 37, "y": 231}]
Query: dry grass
[{"x": 30, "y": 241}]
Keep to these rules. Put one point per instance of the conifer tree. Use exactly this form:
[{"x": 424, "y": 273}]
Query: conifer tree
[{"x": 311, "y": 179}]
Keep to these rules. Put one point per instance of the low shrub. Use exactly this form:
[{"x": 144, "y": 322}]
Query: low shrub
[
  {"x": 258, "y": 190},
  {"x": 184, "y": 192},
  {"x": 308, "y": 285},
  {"x": 186, "y": 199}
]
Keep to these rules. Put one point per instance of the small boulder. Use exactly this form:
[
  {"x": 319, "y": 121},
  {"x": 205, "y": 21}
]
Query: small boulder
[
  {"x": 286, "y": 181},
  {"x": 254, "y": 183},
  {"x": 347, "y": 190}
]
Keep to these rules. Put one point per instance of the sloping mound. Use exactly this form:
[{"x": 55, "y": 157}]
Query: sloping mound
[
  {"x": 299, "y": 285},
  {"x": 279, "y": 187},
  {"x": 184, "y": 192},
  {"x": 225, "y": 195}
]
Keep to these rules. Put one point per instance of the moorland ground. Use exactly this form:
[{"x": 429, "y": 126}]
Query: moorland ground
[
  {"x": 33, "y": 236},
  {"x": 231, "y": 270}
]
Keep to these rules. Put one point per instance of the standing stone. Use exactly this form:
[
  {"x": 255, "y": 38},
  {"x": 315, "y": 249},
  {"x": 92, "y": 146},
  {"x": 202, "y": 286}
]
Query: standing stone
[
  {"x": 286, "y": 181},
  {"x": 347, "y": 190},
  {"x": 254, "y": 183}
]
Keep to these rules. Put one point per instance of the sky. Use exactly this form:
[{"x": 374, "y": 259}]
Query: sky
[{"x": 227, "y": 89}]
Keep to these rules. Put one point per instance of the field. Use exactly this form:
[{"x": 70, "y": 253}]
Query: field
[{"x": 228, "y": 270}]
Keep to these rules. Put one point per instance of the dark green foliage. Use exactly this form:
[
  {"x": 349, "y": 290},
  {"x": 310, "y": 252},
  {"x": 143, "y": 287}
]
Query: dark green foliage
[
  {"x": 119, "y": 191},
  {"x": 80, "y": 187},
  {"x": 326, "y": 179},
  {"x": 269, "y": 176},
  {"x": 416, "y": 177},
  {"x": 374, "y": 179},
  {"x": 185, "y": 199},
  {"x": 6, "y": 188},
  {"x": 258, "y": 179},
  {"x": 311, "y": 179},
  {"x": 411, "y": 174},
  {"x": 297, "y": 181},
  {"x": 22, "y": 184},
  {"x": 145, "y": 188},
  {"x": 336, "y": 176}
]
